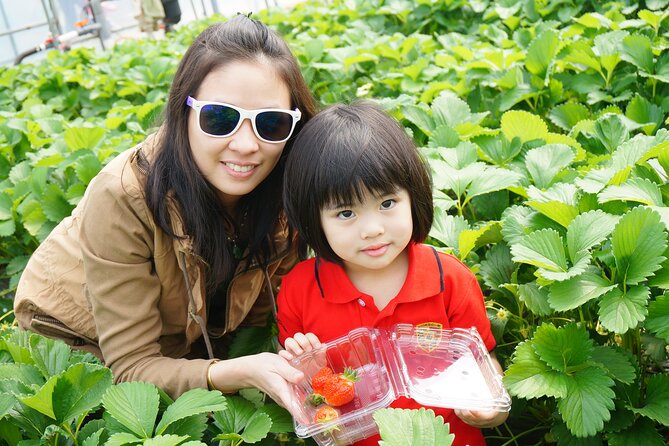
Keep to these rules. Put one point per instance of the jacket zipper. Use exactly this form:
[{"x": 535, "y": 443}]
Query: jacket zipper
[
  {"x": 191, "y": 306},
  {"x": 254, "y": 265}
]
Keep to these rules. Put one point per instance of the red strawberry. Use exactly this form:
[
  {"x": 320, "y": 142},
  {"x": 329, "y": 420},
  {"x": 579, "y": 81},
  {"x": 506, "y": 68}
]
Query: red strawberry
[
  {"x": 325, "y": 414},
  {"x": 319, "y": 379},
  {"x": 340, "y": 388}
]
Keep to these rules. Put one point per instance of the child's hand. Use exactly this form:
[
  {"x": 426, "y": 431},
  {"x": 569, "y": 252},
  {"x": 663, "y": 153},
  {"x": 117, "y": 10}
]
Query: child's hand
[
  {"x": 299, "y": 344},
  {"x": 482, "y": 418}
]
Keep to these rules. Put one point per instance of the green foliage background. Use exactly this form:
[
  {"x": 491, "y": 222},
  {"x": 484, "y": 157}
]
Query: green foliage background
[{"x": 545, "y": 123}]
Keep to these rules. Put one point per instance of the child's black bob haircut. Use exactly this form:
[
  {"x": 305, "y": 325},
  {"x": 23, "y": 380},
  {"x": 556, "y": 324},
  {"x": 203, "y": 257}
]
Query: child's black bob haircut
[{"x": 344, "y": 152}]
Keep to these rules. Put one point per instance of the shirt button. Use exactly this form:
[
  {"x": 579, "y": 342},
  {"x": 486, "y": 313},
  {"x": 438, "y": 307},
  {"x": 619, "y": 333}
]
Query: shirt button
[{"x": 361, "y": 302}]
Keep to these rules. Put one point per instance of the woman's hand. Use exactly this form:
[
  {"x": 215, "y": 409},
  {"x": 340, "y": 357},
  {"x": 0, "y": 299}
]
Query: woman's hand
[
  {"x": 299, "y": 344},
  {"x": 267, "y": 372}
]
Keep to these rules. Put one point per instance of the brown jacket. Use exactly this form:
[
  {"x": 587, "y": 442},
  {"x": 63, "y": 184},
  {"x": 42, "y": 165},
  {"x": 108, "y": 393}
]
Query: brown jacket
[{"x": 109, "y": 281}]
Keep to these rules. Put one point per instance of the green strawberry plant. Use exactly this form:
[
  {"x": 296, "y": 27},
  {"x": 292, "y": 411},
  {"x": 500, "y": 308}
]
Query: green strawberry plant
[
  {"x": 545, "y": 125},
  {"x": 404, "y": 427}
]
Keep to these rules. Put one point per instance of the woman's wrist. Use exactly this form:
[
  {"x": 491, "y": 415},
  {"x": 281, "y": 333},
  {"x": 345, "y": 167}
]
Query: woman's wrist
[
  {"x": 210, "y": 382},
  {"x": 228, "y": 376}
]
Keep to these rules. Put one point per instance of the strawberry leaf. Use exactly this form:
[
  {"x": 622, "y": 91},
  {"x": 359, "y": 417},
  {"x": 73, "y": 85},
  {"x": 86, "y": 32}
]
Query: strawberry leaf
[
  {"x": 448, "y": 177},
  {"x": 638, "y": 242},
  {"x": 642, "y": 111},
  {"x": 611, "y": 131},
  {"x": 569, "y": 114},
  {"x": 637, "y": 50},
  {"x": 193, "y": 402},
  {"x": 55, "y": 204},
  {"x": 562, "y": 348},
  {"x": 588, "y": 402},
  {"x": 639, "y": 190},
  {"x": 620, "y": 311},
  {"x": 497, "y": 267},
  {"x": 447, "y": 228},
  {"x": 587, "y": 230},
  {"x": 492, "y": 179},
  {"x": 450, "y": 110},
  {"x": 498, "y": 149},
  {"x": 400, "y": 427},
  {"x": 134, "y": 405},
  {"x": 523, "y": 125},
  {"x": 546, "y": 162},
  {"x": 557, "y": 211},
  {"x": 658, "y": 317},
  {"x": 535, "y": 298},
  {"x": 657, "y": 400},
  {"x": 573, "y": 293},
  {"x": 469, "y": 239},
  {"x": 541, "y": 52},
  {"x": 642, "y": 432},
  {"x": 529, "y": 377},
  {"x": 616, "y": 362},
  {"x": 543, "y": 249},
  {"x": 83, "y": 138}
]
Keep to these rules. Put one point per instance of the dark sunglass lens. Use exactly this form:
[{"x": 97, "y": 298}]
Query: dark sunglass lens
[
  {"x": 274, "y": 125},
  {"x": 218, "y": 119}
]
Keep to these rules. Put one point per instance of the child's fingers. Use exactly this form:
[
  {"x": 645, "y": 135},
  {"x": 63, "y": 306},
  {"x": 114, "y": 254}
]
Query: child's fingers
[
  {"x": 285, "y": 354},
  {"x": 293, "y": 346},
  {"x": 313, "y": 340},
  {"x": 307, "y": 341},
  {"x": 301, "y": 343}
]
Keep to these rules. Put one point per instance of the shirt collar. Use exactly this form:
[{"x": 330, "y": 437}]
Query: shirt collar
[{"x": 424, "y": 278}]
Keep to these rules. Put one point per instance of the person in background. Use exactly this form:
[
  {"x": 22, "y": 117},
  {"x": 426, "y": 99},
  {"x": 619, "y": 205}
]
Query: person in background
[
  {"x": 150, "y": 13},
  {"x": 172, "y": 14},
  {"x": 359, "y": 194},
  {"x": 181, "y": 240}
]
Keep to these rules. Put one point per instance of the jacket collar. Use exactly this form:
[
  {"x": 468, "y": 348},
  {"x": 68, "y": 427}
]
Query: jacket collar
[{"x": 424, "y": 277}]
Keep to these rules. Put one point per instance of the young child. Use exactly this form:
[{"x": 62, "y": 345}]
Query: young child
[{"x": 360, "y": 195}]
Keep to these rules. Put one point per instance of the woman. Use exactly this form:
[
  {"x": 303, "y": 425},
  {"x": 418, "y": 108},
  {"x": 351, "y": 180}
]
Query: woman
[{"x": 180, "y": 240}]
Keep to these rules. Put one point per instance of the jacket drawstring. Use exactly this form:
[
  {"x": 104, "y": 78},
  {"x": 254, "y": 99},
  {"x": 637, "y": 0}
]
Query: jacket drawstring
[
  {"x": 191, "y": 308},
  {"x": 275, "y": 339}
]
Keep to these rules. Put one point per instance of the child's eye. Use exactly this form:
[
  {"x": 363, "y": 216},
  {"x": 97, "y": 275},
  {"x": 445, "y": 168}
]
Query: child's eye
[
  {"x": 345, "y": 214},
  {"x": 388, "y": 204}
]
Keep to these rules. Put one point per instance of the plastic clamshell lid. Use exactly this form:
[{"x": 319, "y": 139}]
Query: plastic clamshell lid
[
  {"x": 439, "y": 368},
  {"x": 448, "y": 368}
]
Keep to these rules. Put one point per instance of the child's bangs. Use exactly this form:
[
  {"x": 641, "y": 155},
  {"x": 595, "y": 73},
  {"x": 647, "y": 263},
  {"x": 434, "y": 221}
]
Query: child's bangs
[{"x": 344, "y": 186}]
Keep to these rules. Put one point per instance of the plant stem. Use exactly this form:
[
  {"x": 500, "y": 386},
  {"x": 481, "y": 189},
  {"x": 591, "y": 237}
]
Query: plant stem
[
  {"x": 69, "y": 431},
  {"x": 7, "y": 314},
  {"x": 514, "y": 439}
]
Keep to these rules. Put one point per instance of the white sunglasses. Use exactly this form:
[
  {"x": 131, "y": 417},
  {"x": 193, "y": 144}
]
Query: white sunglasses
[{"x": 220, "y": 120}]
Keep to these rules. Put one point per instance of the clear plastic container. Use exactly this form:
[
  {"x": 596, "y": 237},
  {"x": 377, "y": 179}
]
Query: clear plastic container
[{"x": 435, "y": 367}]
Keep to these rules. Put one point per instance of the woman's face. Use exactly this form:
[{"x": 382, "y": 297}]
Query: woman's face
[{"x": 237, "y": 164}]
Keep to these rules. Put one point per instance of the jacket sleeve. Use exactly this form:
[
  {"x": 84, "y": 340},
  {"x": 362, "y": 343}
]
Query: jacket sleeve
[{"x": 117, "y": 242}]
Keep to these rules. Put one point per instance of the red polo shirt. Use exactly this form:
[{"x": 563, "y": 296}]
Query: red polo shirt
[{"x": 318, "y": 297}]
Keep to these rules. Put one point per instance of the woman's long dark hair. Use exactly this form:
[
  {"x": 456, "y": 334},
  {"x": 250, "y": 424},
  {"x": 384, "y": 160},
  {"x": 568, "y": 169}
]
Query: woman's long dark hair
[{"x": 173, "y": 172}]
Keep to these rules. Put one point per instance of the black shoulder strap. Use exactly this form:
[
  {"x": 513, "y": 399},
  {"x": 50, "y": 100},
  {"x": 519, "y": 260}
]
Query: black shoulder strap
[{"x": 441, "y": 269}]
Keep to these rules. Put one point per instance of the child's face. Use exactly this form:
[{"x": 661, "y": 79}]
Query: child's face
[{"x": 371, "y": 234}]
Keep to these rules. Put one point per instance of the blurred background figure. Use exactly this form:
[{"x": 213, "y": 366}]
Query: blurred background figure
[
  {"x": 172, "y": 14},
  {"x": 150, "y": 14}
]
